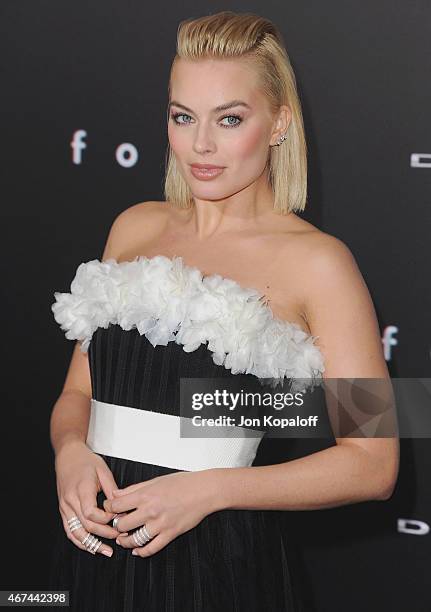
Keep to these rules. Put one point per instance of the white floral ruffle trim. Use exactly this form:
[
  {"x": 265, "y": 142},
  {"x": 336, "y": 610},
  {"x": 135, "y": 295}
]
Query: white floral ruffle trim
[{"x": 168, "y": 300}]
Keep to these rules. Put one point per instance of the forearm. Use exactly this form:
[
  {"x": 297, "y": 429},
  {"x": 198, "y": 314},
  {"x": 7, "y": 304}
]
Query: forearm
[
  {"x": 336, "y": 476},
  {"x": 69, "y": 419}
]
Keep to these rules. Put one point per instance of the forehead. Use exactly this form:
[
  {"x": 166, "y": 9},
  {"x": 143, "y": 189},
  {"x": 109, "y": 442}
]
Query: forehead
[{"x": 208, "y": 82}]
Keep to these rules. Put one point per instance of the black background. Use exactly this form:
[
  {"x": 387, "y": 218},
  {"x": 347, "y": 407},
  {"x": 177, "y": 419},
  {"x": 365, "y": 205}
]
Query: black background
[{"x": 363, "y": 75}]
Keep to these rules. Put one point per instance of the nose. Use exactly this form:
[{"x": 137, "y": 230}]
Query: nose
[{"x": 203, "y": 140}]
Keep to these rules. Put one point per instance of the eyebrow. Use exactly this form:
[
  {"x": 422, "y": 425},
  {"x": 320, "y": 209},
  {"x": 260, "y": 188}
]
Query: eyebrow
[{"x": 217, "y": 109}]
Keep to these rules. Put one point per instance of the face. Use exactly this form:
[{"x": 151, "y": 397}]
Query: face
[{"x": 236, "y": 138}]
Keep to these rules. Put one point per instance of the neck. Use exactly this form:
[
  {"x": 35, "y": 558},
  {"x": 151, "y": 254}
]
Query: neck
[{"x": 244, "y": 210}]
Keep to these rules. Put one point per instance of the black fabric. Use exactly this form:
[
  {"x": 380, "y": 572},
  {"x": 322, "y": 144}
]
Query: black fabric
[{"x": 234, "y": 560}]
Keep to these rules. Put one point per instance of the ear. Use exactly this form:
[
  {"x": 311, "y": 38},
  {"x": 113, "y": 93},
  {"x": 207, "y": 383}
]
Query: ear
[{"x": 282, "y": 122}]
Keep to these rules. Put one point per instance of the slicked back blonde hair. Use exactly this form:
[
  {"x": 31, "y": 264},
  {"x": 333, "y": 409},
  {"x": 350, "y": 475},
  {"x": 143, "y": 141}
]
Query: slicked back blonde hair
[{"x": 228, "y": 35}]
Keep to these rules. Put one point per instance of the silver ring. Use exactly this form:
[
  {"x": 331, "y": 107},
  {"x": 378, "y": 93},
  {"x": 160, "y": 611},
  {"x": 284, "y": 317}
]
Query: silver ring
[
  {"x": 91, "y": 543},
  {"x": 146, "y": 532},
  {"x": 115, "y": 521},
  {"x": 73, "y": 518},
  {"x": 141, "y": 536},
  {"x": 74, "y": 523}
]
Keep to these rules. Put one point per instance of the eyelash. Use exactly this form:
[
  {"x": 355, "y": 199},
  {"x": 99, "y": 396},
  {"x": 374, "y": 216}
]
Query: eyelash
[{"x": 175, "y": 115}]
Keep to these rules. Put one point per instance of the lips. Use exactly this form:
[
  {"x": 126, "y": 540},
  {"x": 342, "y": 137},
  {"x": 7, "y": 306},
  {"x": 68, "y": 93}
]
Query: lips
[
  {"x": 206, "y": 166},
  {"x": 206, "y": 172}
]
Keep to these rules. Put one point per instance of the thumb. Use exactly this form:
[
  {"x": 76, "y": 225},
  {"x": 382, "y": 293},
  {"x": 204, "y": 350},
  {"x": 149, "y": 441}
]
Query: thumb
[{"x": 107, "y": 482}]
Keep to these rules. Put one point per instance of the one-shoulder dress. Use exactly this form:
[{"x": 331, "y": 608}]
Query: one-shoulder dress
[{"x": 146, "y": 324}]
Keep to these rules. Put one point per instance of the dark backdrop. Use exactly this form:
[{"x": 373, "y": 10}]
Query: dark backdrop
[{"x": 363, "y": 73}]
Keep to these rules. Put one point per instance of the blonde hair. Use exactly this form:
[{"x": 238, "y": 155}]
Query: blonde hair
[{"x": 228, "y": 35}]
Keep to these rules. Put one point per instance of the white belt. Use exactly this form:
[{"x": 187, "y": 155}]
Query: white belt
[{"x": 154, "y": 438}]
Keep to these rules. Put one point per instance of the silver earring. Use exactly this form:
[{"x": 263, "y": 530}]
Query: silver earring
[{"x": 281, "y": 139}]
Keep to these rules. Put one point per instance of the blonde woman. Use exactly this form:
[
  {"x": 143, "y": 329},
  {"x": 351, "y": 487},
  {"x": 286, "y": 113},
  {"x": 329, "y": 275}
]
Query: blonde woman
[{"x": 223, "y": 278}]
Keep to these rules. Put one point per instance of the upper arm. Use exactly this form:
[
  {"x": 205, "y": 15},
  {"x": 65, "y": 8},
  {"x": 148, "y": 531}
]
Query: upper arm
[
  {"x": 341, "y": 313},
  {"x": 78, "y": 376},
  {"x": 124, "y": 230}
]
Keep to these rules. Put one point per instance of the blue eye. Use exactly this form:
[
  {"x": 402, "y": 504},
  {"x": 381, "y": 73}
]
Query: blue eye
[
  {"x": 233, "y": 117},
  {"x": 175, "y": 117}
]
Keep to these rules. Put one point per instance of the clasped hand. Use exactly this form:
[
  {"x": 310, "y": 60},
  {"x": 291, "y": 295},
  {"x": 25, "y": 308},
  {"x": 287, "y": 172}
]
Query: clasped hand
[{"x": 168, "y": 505}]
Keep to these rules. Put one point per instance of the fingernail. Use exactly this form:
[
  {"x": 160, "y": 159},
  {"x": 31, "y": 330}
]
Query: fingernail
[
  {"x": 134, "y": 552},
  {"x": 126, "y": 533},
  {"x": 107, "y": 553}
]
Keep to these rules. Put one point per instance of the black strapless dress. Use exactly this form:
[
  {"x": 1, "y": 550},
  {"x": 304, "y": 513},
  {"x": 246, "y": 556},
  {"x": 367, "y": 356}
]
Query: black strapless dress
[{"x": 146, "y": 325}]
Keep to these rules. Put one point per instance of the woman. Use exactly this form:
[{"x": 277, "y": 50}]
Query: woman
[{"x": 223, "y": 278}]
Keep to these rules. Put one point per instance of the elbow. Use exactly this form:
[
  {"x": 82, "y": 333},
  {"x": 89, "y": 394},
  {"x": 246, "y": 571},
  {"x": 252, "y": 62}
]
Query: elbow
[
  {"x": 385, "y": 494},
  {"x": 387, "y": 483}
]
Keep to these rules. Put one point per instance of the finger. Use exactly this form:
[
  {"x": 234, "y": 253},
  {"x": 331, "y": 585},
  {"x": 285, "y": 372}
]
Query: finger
[
  {"x": 118, "y": 516},
  {"x": 135, "y": 518},
  {"x": 134, "y": 487},
  {"x": 87, "y": 492},
  {"x": 77, "y": 535},
  {"x": 107, "y": 481},
  {"x": 159, "y": 542},
  {"x": 95, "y": 528},
  {"x": 123, "y": 503},
  {"x": 95, "y": 518},
  {"x": 74, "y": 535},
  {"x": 152, "y": 528}
]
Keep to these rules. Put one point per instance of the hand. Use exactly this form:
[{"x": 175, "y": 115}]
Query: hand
[
  {"x": 168, "y": 505},
  {"x": 81, "y": 474}
]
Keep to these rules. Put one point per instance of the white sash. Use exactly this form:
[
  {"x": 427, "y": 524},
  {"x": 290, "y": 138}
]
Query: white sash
[{"x": 154, "y": 438}]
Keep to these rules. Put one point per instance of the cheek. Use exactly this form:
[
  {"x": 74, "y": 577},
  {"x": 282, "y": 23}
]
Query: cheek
[
  {"x": 175, "y": 140},
  {"x": 251, "y": 145}
]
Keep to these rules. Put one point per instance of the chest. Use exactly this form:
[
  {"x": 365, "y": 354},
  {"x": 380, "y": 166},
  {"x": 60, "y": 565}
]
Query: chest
[{"x": 252, "y": 264}]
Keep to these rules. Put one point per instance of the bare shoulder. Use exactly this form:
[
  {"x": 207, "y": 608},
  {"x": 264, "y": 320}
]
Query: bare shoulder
[
  {"x": 326, "y": 259},
  {"x": 305, "y": 253},
  {"x": 327, "y": 266},
  {"x": 313, "y": 252},
  {"x": 133, "y": 226},
  {"x": 339, "y": 309},
  {"x": 321, "y": 250},
  {"x": 149, "y": 212},
  {"x": 309, "y": 240}
]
